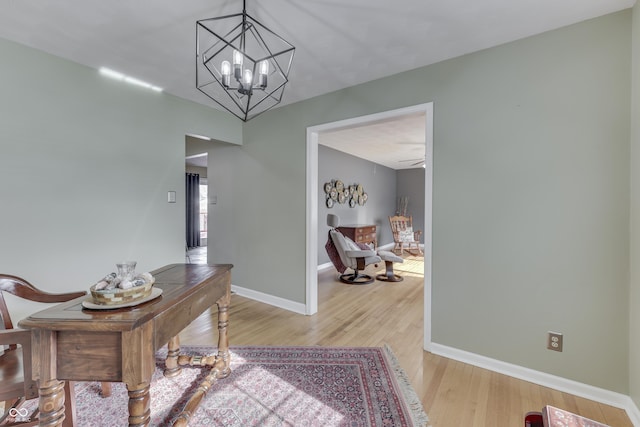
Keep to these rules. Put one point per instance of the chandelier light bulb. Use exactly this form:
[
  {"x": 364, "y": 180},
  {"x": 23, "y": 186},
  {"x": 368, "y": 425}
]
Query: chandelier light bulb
[
  {"x": 247, "y": 78},
  {"x": 238, "y": 58},
  {"x": 225, "y": 69},
  {"x": 264, "y": 67},
  {"x": 262, "y": 76}
]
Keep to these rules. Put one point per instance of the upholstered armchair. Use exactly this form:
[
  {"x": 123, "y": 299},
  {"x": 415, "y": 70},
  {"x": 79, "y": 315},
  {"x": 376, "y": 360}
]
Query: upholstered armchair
[{"x": 346, "y": 254}]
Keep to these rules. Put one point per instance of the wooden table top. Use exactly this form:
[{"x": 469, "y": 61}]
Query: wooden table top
[{"x": 177, "y": 281}]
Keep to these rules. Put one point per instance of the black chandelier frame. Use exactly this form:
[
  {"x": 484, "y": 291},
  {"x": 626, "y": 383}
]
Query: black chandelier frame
[{"x": 255, "y": 90}]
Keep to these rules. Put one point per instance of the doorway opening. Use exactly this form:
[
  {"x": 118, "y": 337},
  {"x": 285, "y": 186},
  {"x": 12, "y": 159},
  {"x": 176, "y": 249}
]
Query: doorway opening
[
  {"x": 198, "y": 164},
  {"x": 313, "y": 134}
]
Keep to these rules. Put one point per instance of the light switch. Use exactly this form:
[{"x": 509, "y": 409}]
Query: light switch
[
  {"x": 171, "y": 196},
  {"x": 213, "y": 199}
]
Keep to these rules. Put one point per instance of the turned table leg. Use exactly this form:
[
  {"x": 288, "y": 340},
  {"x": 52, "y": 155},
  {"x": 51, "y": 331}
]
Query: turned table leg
[
  {"x": 223, "y": 340},
  {"x": 171, "y": 363},
  {"x": 51, "y": 403},
  {"x": 220, "y": 366},
  {"x": 139, "y": 405}
]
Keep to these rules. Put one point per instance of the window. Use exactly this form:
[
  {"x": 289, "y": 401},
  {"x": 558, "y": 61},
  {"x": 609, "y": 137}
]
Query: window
[{"x": 203, "y": 210}]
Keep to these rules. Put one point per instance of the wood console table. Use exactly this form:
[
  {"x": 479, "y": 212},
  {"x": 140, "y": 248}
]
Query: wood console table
[
  {"x": 360, "y": 233},
  {"x": 73, "y": 343}
]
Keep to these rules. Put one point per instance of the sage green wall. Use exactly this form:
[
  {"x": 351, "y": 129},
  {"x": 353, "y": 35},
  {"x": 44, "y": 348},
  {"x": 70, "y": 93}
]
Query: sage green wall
[
  {"x": 634, "y": 300},
  {"x": 85, "y": 166},
  {"x": 531, "y": 196},
  {"x": 531, "y": 189}
]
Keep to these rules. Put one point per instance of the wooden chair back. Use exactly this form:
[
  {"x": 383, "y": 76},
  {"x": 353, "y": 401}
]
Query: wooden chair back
[
  {"x": 400, "y": 225},
  {"x": 21, "y": 288},
  {"x": 16, "y": 383}
]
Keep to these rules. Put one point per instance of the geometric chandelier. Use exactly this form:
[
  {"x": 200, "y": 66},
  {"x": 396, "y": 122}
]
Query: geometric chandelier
[{"x": 241, "y": 64}]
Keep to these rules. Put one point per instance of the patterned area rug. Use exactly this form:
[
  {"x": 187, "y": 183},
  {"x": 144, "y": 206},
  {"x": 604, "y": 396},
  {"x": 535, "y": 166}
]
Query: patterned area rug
[{"x": 273, "y": 386}]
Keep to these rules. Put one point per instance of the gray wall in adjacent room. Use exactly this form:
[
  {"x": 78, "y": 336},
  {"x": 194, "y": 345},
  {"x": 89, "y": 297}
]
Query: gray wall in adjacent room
[
  {"x": 379, "y": 182},
  {"x": 410, "y": 183}
]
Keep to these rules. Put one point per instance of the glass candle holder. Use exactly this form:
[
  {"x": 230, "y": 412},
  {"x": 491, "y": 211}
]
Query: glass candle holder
[{"x": 126, "y": 269}]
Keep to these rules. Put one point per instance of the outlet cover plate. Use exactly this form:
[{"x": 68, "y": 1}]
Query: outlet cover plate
[{"x": 554, "y": 341}]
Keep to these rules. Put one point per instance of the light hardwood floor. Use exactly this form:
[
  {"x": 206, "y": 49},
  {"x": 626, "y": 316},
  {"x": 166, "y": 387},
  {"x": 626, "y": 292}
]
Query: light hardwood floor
[{"x": 452, "y": 393}]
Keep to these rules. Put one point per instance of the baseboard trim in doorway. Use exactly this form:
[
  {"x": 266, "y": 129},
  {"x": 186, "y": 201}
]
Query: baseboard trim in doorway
[
  {"x": 324, "y": 266},
  {"x": 576, "y": 388},
  {"x": 286, "y": 304}
]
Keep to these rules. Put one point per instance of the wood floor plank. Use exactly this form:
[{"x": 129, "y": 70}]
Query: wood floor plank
[{"x": 453, "y": 393}]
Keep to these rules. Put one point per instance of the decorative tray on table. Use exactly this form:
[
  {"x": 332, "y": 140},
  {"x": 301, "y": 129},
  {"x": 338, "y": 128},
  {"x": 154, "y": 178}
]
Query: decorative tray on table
[{"x": 122, "y": 289}]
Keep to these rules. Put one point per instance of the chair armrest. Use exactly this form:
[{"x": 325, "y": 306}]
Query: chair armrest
[
  {"x": 359, "y": 254},
  {"x": 16, "y": 336},
  {"x": 21, "y": 288},
  {"x": 12, "y": 337}
]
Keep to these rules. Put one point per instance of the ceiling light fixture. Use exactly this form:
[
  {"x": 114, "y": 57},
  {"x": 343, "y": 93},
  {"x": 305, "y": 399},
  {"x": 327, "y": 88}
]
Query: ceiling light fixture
[
  {"x": 132, "y": 80},
  {"x": 240, "y": 64}
]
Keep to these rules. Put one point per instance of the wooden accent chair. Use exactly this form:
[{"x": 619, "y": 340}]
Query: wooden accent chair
[
  {"x": 404, "y": 236},
  {"x": 16, "y": 383}
]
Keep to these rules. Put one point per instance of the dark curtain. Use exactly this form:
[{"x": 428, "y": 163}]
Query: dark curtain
[{"x": 193, "y": 209}]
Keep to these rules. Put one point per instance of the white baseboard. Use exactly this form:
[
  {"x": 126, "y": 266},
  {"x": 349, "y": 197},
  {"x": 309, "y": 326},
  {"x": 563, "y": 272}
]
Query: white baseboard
[
  {"x": 286, "y": 304},
  {"x": 586, "y": 391},
  {"x": 325, "y": 266}
]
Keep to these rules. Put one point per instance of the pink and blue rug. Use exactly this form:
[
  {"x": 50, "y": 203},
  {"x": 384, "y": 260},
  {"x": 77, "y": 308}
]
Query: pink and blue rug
[{"x": 273, "y": 386}]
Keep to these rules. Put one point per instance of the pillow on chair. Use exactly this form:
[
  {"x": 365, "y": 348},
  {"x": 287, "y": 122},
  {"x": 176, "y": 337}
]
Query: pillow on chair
[
  {"x": 353, "y": 246},
  {"x": 406, "y": 235}
]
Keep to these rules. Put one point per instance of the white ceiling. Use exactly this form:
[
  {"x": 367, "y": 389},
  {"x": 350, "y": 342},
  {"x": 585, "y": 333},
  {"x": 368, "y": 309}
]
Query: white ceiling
[
  {"x": 397, "y": 143},
  {"x": 339, "y": 43}
]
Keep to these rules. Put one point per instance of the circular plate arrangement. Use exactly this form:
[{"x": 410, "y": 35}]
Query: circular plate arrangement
[
  {"x": 333, "y": 194},
  {"x": 337, "y": 192},
  {"x": 88, "y": 303}
]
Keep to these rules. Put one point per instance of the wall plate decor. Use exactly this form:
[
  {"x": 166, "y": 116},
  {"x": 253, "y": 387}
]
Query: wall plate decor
[
  {"x": 337, "y": 192},
  {"x": 333, "y": 194}
]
